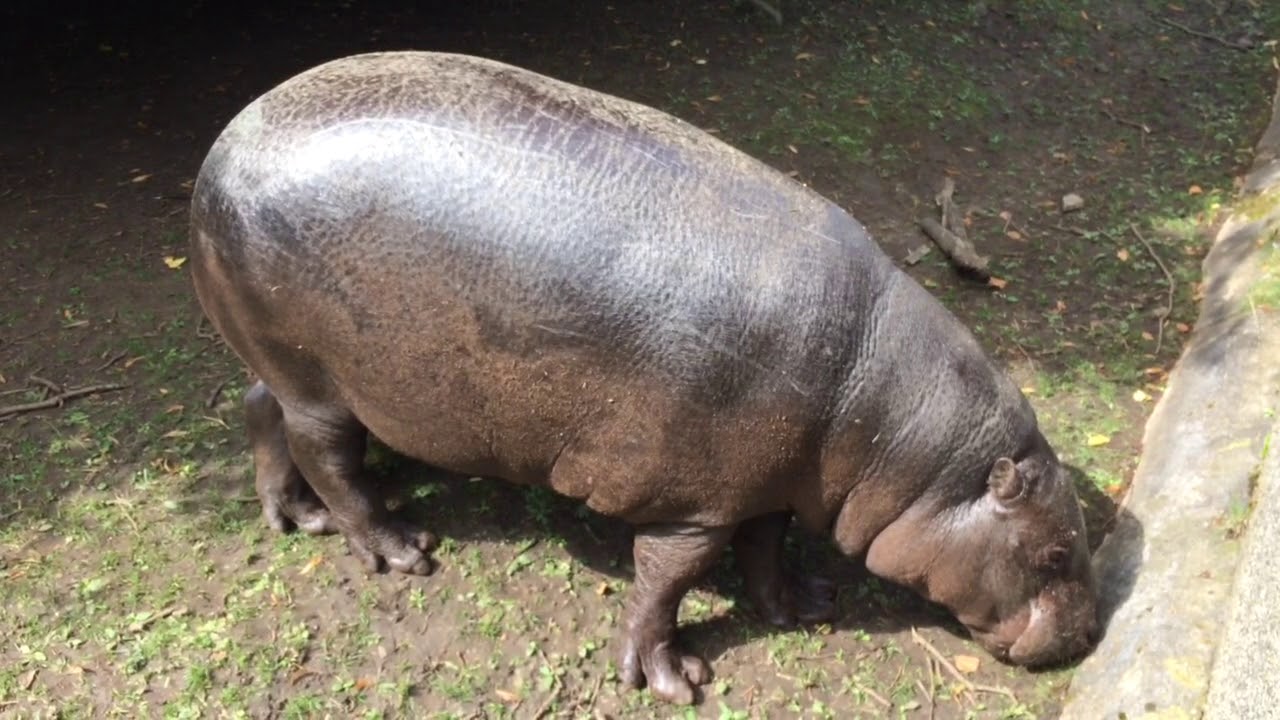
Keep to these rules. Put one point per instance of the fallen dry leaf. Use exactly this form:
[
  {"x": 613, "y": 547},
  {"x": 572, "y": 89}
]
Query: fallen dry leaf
[
  {"x": 1183, "y": 328},
  {"x": 173, "y": 263},
  {"x": 1123, "y": 255},
  {"x": 997, "y": 283},
  {"x": 506, "y": 696},
  {"x": 1014, "y": 235},
  {"x": 1148, "y": 336},
  {"x": 804, "y": 56},
  {"x": 141, "y": 178},
  {"x": 1195, "y": 190},
  {"x": 311, "y": 565},
  {"x": 363, "y": 684},
  {"x": 1140, "y": 396},
  {"x": 603, "y": 589},
  {"x": 1097, "y": 440},
  {"x": 793, "y": 149},
  {"x": 967, "y": 663},
  {"x": 714, "y": 98}
]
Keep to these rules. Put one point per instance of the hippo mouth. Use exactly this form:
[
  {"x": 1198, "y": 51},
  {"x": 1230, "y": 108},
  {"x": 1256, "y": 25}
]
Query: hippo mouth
[{"x": 1035, "y": 639}]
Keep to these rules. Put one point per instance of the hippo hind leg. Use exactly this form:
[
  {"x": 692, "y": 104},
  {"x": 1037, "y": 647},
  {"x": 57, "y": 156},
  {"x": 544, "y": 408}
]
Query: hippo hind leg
[
  {"x": 287, "y": 499},
  {"x": 783, "y": 599},
  {"x": 669, "y": 559},
  {"x": 327, "y": 443}
]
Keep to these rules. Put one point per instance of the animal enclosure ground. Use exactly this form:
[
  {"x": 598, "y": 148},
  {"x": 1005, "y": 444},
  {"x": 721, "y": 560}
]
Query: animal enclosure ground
[{"x": 135, "y": 574}]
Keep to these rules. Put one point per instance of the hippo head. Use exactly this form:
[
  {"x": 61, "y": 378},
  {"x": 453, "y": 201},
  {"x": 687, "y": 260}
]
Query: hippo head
[{"x": 1012, "y": 564}]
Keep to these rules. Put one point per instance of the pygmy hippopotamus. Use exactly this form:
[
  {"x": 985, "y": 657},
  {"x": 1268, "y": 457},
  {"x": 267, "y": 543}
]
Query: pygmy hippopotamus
[{"x": 505, "y": 275}]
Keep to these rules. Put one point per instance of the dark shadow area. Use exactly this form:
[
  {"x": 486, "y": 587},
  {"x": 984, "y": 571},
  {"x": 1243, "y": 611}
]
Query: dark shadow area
[
  {"x": 1118, "y": 564},
  {"x": 469, "y": 510},
  {"x": 484, "y": 509}
]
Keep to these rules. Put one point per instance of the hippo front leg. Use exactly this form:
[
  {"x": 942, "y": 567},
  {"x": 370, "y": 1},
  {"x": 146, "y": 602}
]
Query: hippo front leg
[
  {"x": 328, "y": 445},
  {"x": 287, "y": 499},
  {"x": 669, "y": 559},
  {"x": 783, "y": 599}
]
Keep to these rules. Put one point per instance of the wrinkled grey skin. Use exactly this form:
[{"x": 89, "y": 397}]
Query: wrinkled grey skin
[{"x": 505, "y": 275}]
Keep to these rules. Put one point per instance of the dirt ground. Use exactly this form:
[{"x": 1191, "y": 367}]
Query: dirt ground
[{"x": 137, "y": 577}]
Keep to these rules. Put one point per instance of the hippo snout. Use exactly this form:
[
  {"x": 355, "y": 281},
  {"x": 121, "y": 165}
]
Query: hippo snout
[{"x": 1055, "y": 636}]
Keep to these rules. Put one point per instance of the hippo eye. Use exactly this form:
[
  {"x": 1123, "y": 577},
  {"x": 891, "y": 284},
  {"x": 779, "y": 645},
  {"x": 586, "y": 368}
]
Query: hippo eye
[{"x": 1055, "y": 558}]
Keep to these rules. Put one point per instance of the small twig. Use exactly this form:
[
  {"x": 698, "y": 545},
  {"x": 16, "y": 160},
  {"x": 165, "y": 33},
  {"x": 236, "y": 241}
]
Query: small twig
[
  {"x": 20, "y": 338},
  {"x": 112, "y": 361},
  {"x": 200, "y": 331},
  {"x": 992, "y": 690},
  {"x": 926, "y": 693},
  {"x": 1026, "y": 355},
  {"x": 1168, "y": 308},
  {"x": 933, "y": 688},
  {"x": 595, "y": 690},
  {"x": 1131, "y": 123},
  {"x": 1073, "y": 231},
  {"x": 874, "y": 695},
  {"x": 1207, "y": 36},
  {"x": 1142, "y": 139},
  {"x": 951, "y": 219},
  {"x": 970, "y": 687},
  {"x": 49, "y": 385},
  {"x": 217, "y": 391},
  {"x": 545, "y": 707},
  {"x": 124, "y": 506},
  {"x": 958, "y": 250},
  {"x": 769, "y": 9},
  {"x": 57, "y": 400},
  {"x": 944, "y": 662}
]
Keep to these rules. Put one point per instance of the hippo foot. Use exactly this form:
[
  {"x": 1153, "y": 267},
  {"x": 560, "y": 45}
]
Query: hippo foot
[
  {"x": 307, "y": 514},
  {"x": 801, "y": 600},
  {"x": 394, "y": 544},
  {"x": 670, "y": 674}
]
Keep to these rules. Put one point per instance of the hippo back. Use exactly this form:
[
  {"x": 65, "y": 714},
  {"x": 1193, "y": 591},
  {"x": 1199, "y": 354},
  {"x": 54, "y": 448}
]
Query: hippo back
[{"x": 554, "y": 213}]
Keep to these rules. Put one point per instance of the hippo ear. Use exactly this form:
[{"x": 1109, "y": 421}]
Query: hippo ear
[{"x": 1005, "y": 481}]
